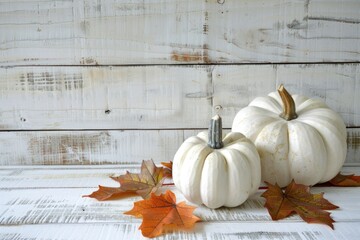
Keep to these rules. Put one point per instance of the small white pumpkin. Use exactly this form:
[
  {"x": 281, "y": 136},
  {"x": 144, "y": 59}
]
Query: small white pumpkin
[
  {"x": 217, "y": 172},
  {"x": 297, "y": 137}
]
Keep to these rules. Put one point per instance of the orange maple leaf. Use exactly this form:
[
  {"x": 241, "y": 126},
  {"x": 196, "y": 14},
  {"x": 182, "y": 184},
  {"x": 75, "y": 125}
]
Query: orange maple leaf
[
  {"x": 297, "y": 198},
  {"x": 345, "y": 180},
  {"x": 159, "y": 211},
  {"x": 144, "y": 183}
]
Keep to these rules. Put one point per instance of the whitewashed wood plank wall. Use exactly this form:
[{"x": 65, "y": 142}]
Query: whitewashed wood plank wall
[{"x": 95, "y": 82}]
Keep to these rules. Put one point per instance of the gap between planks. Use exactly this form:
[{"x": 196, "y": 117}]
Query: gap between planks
[
  {"x": 120, "y": 129},
  {"x": 109, "y": 129},
  {"x": 124, "y": 166},
  {"x": 184, "y": 64}
]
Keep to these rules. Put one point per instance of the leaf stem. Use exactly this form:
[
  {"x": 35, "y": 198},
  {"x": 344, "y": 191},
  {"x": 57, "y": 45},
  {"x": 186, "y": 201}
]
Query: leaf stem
[{"x": 168, "y": 184}]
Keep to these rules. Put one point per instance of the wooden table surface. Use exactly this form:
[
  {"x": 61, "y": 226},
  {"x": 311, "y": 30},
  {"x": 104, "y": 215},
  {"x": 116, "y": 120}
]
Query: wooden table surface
[{"x": 45, "y": 202}]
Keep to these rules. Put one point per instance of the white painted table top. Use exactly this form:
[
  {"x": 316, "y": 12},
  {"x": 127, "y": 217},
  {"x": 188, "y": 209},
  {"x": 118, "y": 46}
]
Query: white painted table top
[{"x": 44, "y": 202}]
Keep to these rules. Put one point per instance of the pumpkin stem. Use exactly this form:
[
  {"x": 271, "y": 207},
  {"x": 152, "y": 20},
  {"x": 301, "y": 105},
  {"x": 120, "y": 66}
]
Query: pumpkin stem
[
  {"x": 215, "y": 133},
  {"x": 289, "y": 111}
]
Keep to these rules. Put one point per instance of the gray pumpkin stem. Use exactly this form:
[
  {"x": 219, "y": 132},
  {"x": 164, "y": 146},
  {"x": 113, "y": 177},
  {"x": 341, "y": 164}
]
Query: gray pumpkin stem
[{"x": 215, "y": 133}]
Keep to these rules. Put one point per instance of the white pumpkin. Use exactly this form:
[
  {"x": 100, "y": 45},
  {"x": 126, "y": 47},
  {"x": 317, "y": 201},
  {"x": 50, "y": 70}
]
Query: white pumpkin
[
  {"x": 217, "y": 172},
  {"x": 297, "y": 137}
]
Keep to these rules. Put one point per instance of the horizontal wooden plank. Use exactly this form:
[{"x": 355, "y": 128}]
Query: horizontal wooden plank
[
  {"x": 118, "y": 32},
  {"x": 202, "y": 230},
  {"x": 106, "y": 147},
  {"x": 64, "y": 176},
  {"x": 66, "y": 205},
  {"x": 158, "y": 97},
  {"x": 88, "y": 147},
  {"x": 101, "y": 98},
  {"x": 75, "y": 176}
]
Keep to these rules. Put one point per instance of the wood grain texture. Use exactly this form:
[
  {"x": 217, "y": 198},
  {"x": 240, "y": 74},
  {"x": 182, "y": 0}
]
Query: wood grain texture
[
  {"x": 105, "y": 97},
  {"x": 353, "y": 144},
  {"x": 40, "y": 202},
  {"x": 202, "y": 230},
  {"x": 107, "y": 146},
  {"x": 66, "y": 206},
  {"x": 88, "y": 147},
  {"x": 162, "y": 97},
  {"x": 76, "y": 176},
  {"x": 110, "y": 32}
]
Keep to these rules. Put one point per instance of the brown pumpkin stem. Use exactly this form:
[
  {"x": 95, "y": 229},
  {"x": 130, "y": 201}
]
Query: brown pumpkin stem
[
  {"x": 215, "y": 133},
  {"x": 289, "y": 110}
]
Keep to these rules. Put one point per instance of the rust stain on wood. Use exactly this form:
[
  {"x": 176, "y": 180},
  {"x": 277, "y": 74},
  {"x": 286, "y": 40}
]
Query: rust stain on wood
[
  {"x": 183, "y": 57},
  {"x": 196, "y": 56}
]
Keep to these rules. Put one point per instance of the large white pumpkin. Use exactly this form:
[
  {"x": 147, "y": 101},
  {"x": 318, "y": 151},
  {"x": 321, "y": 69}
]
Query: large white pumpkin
[
  {"x": 297, "y": 137},
  {"x": 217, "y": 172}
]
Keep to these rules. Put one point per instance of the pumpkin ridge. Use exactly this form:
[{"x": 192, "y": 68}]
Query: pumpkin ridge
[
  {"x": 333, "y": 138},
  {"x": 233, "y": 162},
  {"x": 190, "y": 158},
  {"x": 249, "y": 152},
  {"x": 272, "y": 142},
  {"x": 274, "y": 106},
  {"x": 212, "y": 165},
  {"x": 310, "y": 104},
  {"x": 234, "y": 141},
  {"x": 306, "y": 168}
]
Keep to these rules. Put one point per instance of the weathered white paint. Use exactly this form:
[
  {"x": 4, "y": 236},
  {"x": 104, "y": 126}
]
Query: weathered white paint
[
  {"x": 202, "y": 230},
  {"x": 107, "y": 147},
  {"x": 66, "y": 205},
  {"x": 353, "y": 144},
  {"x": 88, "y": 147},
  {"x": 45, "y": 203},
  {"x": 93, "y": 32},
  {"x": 158, "y": 97},
  {"x": 76, "y": 176},
  {"x": 105, "y": 97}
]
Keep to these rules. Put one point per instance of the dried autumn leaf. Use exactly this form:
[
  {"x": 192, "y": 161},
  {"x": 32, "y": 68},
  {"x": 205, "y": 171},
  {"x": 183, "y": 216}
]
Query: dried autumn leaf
[
  {"x": 147, "y": 181},
  {"x": 168, "y": 168},
  {"x": 104, "y": 193},
  {"x": 297, "y": 198},
  {"x": 159, "y": 211},
  {"x": 346, "y": 180}
]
